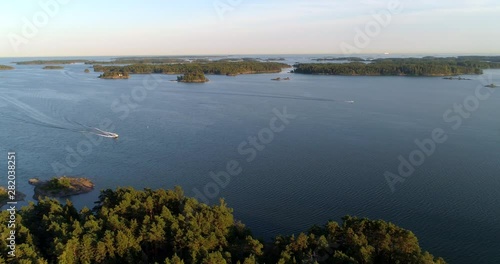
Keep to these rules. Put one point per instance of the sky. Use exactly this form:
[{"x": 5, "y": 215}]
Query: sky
[{"x": 45, "y": 28}]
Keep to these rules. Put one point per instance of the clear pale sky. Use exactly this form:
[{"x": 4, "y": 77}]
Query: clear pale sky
[{"x": 170, "y": 27}]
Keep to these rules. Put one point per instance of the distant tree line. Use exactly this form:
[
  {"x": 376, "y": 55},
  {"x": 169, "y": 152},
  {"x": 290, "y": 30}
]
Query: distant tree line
[
  {"x": 427, "y": 66},
  {"x": 164, "y": 226},
  {"x": 215, "y": 67},
  {"x": 479, "y": 58},
  {"x": 140, "y": 60},
  {"x": 339, "y": 59},
  {"x": 44, "y": 62}
]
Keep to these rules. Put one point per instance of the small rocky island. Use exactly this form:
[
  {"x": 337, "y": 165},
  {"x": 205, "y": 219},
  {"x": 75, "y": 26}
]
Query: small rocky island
[
  {"x": 4, "y": 196},
  {"x": 86, "y": 71},
  {"x": 193, "y": 77},
  {"x": 459, "y": 78},
  {"x": 491, "y": 85},
  {"x": 61, "y": 187},
  {"x": 279, "y": 79},
  {"x": 53, "y": 68}
]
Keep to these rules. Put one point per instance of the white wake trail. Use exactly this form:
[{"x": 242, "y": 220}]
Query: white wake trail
[{"x": 40, "y": 119}]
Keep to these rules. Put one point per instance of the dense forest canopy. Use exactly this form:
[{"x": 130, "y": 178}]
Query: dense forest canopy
[
  {"x": 427, "y": 66},
  {"x": 164, "y": 226}
]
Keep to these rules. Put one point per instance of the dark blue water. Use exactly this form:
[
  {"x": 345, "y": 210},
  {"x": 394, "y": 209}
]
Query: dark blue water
[{"x": 328, "y": 161}]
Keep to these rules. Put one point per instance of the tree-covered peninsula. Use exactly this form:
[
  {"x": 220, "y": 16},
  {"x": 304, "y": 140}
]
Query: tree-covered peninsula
[
  {"x": 165, "y": 226},
  {"x": 5, "y": 67},
  {"x": 427, "y": 66}
]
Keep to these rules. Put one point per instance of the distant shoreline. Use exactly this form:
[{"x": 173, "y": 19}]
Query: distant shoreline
[{"x": 121, "y": 68}]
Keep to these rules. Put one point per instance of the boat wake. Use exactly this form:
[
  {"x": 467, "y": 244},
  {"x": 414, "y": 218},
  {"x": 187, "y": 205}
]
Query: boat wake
[
  {"x": 35, "y": 117},
  {"x": 101, "y": 133}
]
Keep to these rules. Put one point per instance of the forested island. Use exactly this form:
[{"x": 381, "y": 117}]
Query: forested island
[
  {"x": 165, "y": 226},
  {"x": 274, "y": 59},
  {"x": 427, "y": 66},
  {"x": 193, "y": 77},
  {"x": 214, "y": 67},
  {"x": 53, "y": 67},
  {"x": 61, "y": 187},
  {"x": 114, "y": 75},
  {"x": 5, "y": 67}
]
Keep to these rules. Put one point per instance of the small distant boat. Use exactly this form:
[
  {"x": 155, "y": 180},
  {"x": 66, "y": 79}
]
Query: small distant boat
[
  {"x": 350, "y": 102},
  {"x": 105, "y": 133},
  {"x": 491, "y": 85}
]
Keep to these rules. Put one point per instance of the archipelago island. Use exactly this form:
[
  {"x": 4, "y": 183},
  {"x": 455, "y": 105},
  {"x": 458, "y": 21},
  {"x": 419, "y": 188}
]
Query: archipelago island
[
  {"x": 52, "y": 67},
  {"x": 193, "y": 77},
  {"x": 5, "y": 67},
  {"x": 61, "y": 187},
  {"x": 121, "y": 68}
]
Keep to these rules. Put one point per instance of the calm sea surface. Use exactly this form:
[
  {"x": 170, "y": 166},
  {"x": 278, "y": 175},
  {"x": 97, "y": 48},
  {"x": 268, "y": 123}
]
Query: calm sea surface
[{"x": 328, "y": 162}]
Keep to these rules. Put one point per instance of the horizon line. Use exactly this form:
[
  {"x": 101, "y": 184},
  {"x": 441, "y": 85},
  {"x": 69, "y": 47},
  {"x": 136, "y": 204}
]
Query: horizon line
[{"x": 263, "y": 54}]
